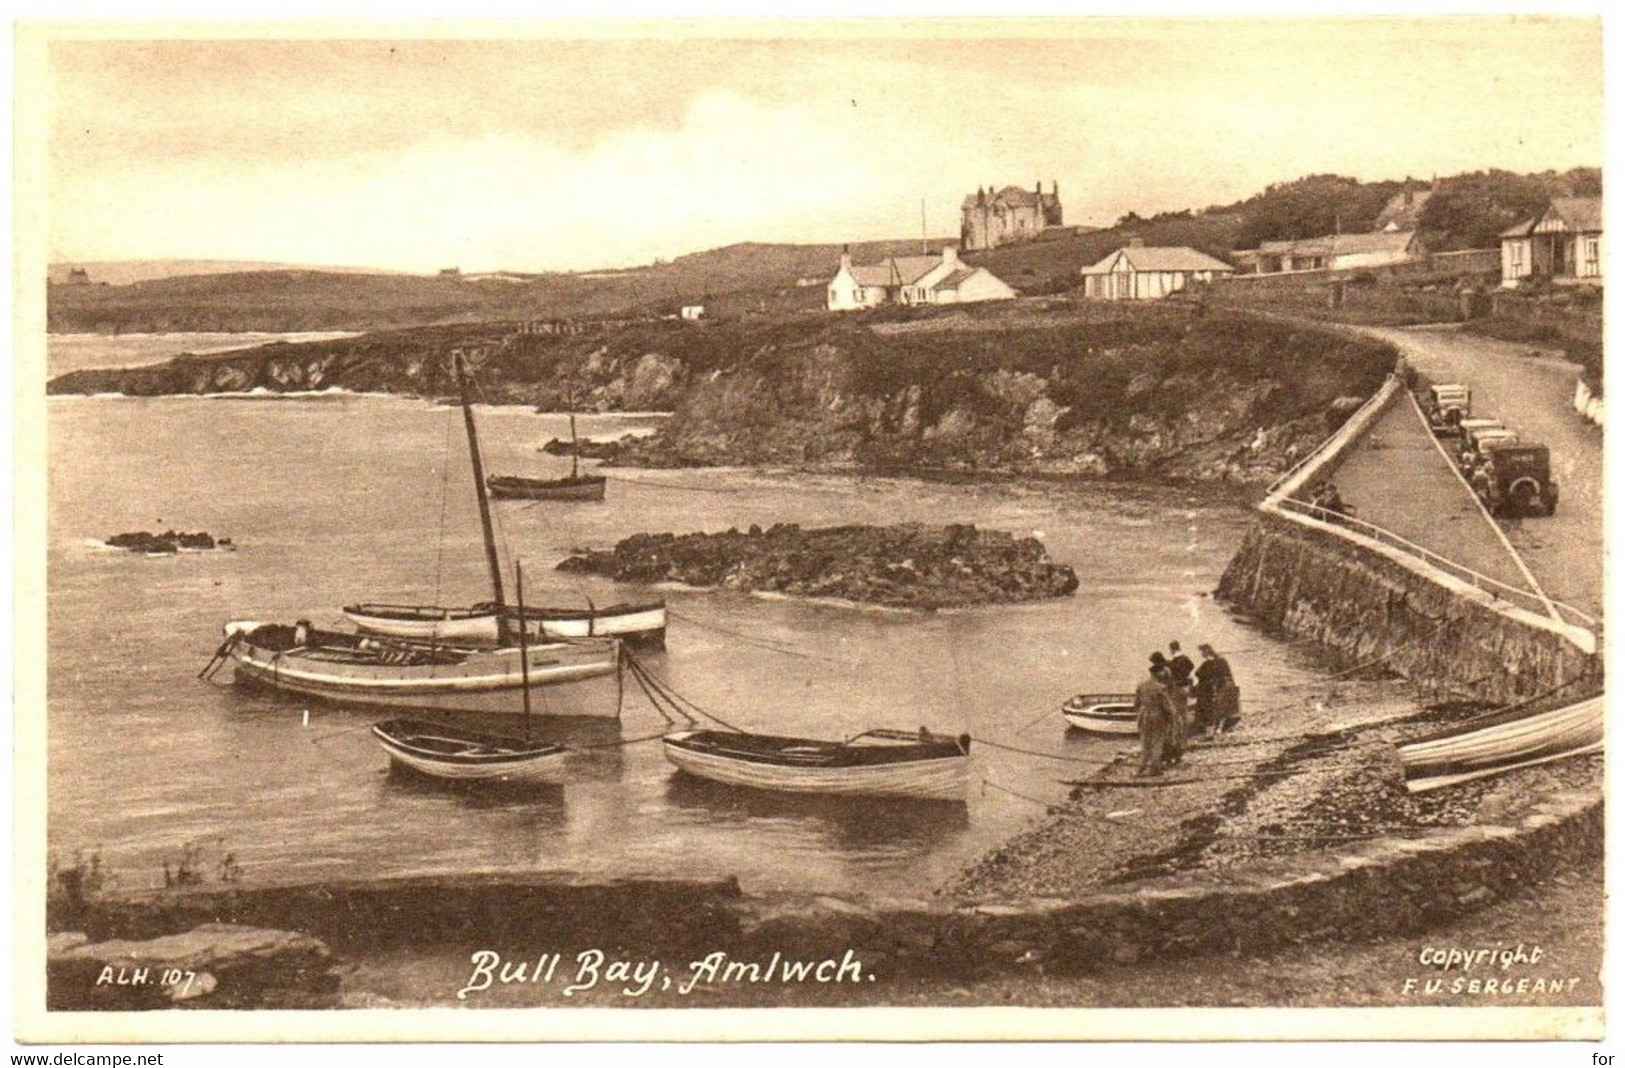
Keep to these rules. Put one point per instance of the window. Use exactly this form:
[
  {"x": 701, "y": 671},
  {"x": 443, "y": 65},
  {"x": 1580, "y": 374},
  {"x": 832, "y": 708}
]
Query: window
[
  {"x": 1590, "y": 267},
  {"x": 832, "y": 297}
]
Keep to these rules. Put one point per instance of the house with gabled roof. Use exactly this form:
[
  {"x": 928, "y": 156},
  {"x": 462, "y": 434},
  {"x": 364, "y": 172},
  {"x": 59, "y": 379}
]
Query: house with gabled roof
[
  {"x": 1138, "y": 272},
  {"x": 944, "y": 279},
  {"x": 1562, "y": 243},
  {"x": 1334, "y": 252},
  {"x": 988, "y": 219}
]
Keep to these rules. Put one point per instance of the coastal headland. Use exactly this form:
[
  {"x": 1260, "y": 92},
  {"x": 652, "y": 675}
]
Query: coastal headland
[{"x": 1042, "y": 388}]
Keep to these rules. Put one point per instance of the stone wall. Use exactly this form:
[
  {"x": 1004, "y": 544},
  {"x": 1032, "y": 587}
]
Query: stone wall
[
  {"x": 1364, "y": 890},
  {"x": 1361, "y": 603}
]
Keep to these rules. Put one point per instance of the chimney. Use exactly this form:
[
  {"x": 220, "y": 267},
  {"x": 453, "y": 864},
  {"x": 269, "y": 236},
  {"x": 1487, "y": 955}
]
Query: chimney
[
  {"x": 950, "y": 256},
  {"x": 846, "y": 257},
  {"x": 1055, "y": 189},
  {"x": 1038, "y": 190}
]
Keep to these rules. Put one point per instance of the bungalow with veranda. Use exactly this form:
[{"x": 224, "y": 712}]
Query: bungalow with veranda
[
  {"x": 1562, "y": 243},
  {"x": 1140, "y": 273},
  {"x": 913, "y": 280}
]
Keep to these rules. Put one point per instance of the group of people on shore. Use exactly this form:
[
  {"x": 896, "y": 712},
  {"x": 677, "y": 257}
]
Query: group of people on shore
[{"x": 1162, "y": 705}]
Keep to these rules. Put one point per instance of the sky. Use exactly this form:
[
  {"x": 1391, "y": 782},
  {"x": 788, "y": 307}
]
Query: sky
[{"x": 555, "y": 154}]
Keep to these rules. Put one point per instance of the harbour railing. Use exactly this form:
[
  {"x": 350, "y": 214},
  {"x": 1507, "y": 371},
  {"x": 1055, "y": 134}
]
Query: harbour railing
[{"x": 1493, "y": 587}]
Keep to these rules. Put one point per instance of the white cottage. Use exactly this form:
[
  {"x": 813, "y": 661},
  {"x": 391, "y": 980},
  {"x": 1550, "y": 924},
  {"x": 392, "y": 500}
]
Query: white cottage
[
  {"x": 913, "y": 280},
  {"x": 1563, "y": 243},
  {"x": 1141, "y": 273}
]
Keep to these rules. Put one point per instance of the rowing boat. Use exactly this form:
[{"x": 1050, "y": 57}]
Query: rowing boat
[
  {"x": 876, "y": 762},
  {"x": 1501, "y": 741},
  {"x": 1102, "y": 713},
  {"x": 641, "y": 621},
  {"x": 456, "y": 754}
]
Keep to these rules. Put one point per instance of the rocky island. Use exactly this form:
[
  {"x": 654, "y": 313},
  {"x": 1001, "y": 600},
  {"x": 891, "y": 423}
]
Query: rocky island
[{"x": 907, "y": 565}]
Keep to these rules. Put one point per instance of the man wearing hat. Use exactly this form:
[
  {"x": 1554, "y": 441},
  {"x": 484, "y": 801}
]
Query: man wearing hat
[
  {"x": 1218, "y": 701},
  {"x": 1155, "y": 716}
]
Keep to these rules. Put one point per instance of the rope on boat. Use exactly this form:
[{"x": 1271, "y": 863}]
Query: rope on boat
[
  {"x": 1041, "y": 753},
  {"x": 622, "y": 744},
  {"x": 219, "y": 657},
  {"x": 771, "y": 646},
  {"x": 677, "y": 700}
]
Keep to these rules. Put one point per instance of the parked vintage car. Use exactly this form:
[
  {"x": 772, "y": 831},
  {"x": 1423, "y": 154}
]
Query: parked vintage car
[
  {"x": 1516, "y": 479},
  {"x": 1447, "y": 405}
]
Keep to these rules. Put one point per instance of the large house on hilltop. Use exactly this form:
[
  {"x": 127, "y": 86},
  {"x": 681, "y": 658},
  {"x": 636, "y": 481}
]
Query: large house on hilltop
[
  {"x": 1140, "y": 273},
  {"x": 1563, "y": 243},
  {"x": 913, "y": 280},
  {"x": 1332, "y": 252},
  {"x": 989, "y": 219}
]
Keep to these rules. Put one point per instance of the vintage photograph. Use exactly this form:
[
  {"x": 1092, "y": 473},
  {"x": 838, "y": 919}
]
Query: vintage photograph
[{"x": 1086, "y": 515}]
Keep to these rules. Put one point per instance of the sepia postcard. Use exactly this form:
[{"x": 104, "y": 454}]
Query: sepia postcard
[{"x": 941, "y": 529}]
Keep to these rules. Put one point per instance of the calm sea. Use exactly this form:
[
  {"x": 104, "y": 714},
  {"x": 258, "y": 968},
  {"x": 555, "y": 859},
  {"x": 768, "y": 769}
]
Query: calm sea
[{"x": 339, "y": 498}]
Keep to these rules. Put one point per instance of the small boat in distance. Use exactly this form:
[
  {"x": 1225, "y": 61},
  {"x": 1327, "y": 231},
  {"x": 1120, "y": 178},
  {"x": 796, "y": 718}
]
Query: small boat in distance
[
  {"x": 643, "y": 621},
  {"x": 1501, "y": 741},
  {"x": 1102, "y": 713},
  {"x": 573, "y": 487},
  {"x": 570, "y": 488},
  {"x": 874, "y": 763}
]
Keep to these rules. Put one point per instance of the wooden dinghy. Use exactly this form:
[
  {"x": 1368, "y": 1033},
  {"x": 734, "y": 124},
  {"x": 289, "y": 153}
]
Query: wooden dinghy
[
  {"x": 356, "y": 669},
  {"x": 570, "y": 488},
  {"x": 460, "y": 755},
  {"x": 1489, "y": 745},
  {"x": 877, "y": 762},
  {"x": 642, "y": 621},
  {"x": 1102, "y": 713}
]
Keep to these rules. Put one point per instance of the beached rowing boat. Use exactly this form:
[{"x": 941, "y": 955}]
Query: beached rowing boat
[
  {"x": 877, "y": 762},
  {"x": 1102, "y": 713},
  {"x": 1501, "y": 741}
]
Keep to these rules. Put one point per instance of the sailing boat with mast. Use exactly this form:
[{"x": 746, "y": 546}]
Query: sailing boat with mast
[
  {"x": 641, "y": 621},
  {"x": 574, "y": 487},
  {"x": 453, "y": 753},
  {"x": 363, "y": 669}
]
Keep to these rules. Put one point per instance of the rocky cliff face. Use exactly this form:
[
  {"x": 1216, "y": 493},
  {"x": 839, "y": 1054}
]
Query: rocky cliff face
[{"x": 1063, "y": 389}]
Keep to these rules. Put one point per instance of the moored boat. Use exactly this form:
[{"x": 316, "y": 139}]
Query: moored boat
[
  {"x": 461, "y": 755},
  {"x": 875, "y": 763},
  {"x": 569, "y": 488},
  {"x": 355, "y": 669},
  {"x": 1102, "y": 713},
  {"x": 1501, "y": 741},
  {"x": 641, "y": 621}
]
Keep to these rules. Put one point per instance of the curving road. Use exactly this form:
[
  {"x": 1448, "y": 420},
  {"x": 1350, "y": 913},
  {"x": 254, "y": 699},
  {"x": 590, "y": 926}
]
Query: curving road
[{"x": 1534, "y": 394}]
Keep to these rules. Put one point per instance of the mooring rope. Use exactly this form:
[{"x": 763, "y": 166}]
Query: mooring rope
[{"x": 761, "y": 643}]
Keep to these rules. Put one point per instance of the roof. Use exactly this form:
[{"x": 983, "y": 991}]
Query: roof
[
  {"x": 1582, "y": 214},
  {"x": 1012, "y": 196},
  {"x": 1403, "y": 210},
  {"x": 1341, "y": 244},
  {"x": 895, "y": 270},
  {"x": 953, "y": 280},
  {"x": 1173, "y": 258}
]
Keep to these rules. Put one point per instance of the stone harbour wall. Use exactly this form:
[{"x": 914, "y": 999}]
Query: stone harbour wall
[{"x": 1311, "y": 581}]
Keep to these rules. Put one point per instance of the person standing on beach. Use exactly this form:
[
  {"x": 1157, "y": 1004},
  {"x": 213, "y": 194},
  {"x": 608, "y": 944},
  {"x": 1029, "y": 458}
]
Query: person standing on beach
[
  {"x": 1179, "y": 694},
  {"x": 1218, "y": 700},
  {"x": 1155, "y": 715}
]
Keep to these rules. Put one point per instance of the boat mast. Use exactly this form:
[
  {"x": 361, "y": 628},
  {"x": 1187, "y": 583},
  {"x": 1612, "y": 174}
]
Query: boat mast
[
  {"x": 524, "y": 651},
  {"x": 458, "y": 364},
  {"x": 575, "y": 449}
]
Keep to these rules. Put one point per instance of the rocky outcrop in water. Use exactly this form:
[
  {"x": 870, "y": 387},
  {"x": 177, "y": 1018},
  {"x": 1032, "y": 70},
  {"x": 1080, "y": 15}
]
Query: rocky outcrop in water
[
  {"x": 904, "y": 566},
  {"x": 588, "y": 449},
  {"x": 169, "y": 541}
]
